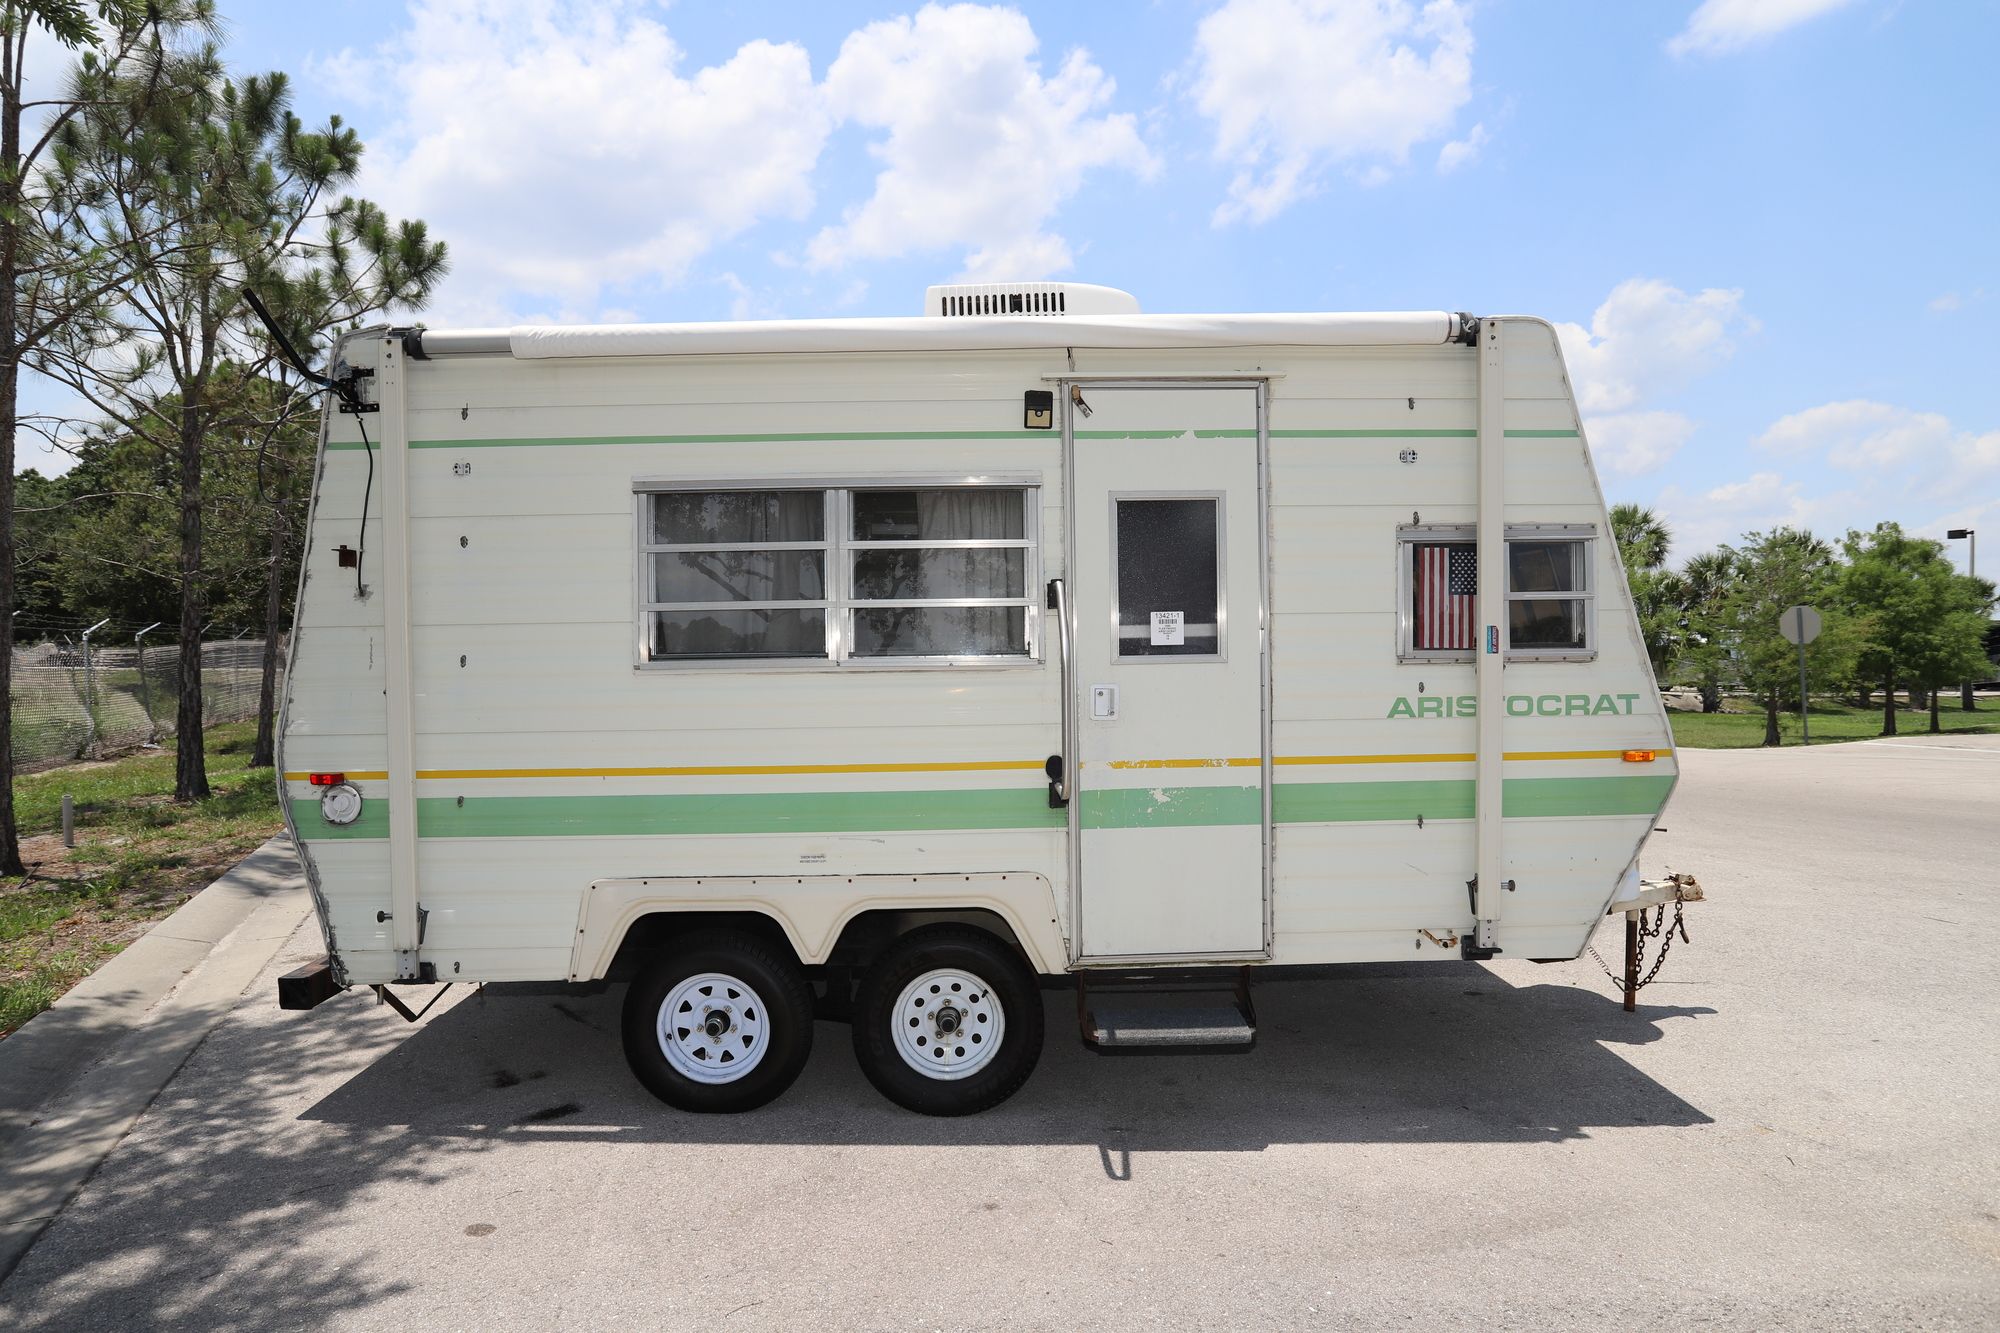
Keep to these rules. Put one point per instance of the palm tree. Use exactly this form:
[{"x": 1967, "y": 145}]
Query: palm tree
[
  {"x": 1706, "y": 579},
  {"x": 1643, "y": 536},
  {"x": 1643, "y": 540}
]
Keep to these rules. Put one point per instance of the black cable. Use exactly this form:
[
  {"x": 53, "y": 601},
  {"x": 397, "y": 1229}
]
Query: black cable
[{"x": 361, "y": 539}]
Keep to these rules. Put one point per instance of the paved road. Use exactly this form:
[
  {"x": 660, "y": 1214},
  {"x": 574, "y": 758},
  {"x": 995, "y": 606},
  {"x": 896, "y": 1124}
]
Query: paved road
[{"x": 1797, "y": 1129}]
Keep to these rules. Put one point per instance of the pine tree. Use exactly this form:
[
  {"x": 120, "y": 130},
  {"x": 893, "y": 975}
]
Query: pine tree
[
  {"x": 200, "y": 188},
  {"x": 44, "y": 280}
]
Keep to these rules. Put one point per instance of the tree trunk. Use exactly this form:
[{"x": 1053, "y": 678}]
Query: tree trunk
[
  {"x": 1771, "y": 719},
  {"x": 1889, "y": 706},
  {"x": 1711, "y": 698},
  {"x": 1863, "y": 696},
  {"x": 190, "y": 760},
  {"x": 10, "y": 383},
  {"x": 1934, "y": 711},
  {"x": 265, "y": 753}
]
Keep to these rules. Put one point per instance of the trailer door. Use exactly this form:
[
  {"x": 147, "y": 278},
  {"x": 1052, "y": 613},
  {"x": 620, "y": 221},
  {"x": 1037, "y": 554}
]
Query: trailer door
[{"x": 1172, "y": 814}]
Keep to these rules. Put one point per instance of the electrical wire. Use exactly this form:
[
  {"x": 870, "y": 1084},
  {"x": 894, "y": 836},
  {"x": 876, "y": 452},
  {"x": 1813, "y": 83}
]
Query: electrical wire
[{"x": 361, "y": 539}]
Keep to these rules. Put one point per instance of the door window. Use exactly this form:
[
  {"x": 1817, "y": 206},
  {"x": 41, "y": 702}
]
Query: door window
[{"x": 1168, "y": 550}]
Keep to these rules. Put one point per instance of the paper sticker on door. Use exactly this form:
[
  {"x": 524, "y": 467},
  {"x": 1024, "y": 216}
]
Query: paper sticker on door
[{"x": 1169, "y": 629}]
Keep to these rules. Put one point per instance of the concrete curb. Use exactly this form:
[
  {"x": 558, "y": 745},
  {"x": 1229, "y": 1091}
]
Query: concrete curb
[{"x": 73, "y": 1080}]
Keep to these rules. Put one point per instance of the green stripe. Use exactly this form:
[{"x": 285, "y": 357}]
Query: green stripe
[
  {"x": 1351, "y": 802},
  {"x": 1171, "y": 807},
  {"x": 798, "y": 437},
  {"x": 1452, "y": 798},
  {"x": 852, "y": 436},
  {"x": 1410, "y": 434},
  {"x": 374, "y": 821},
  {"x": 1554, "y": 798},
  {"x": 990, "y": 808},
  {"x": 756, "y": 812}
]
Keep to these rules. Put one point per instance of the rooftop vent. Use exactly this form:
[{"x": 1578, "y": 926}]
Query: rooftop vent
[{"x": 1028, "y": 298}]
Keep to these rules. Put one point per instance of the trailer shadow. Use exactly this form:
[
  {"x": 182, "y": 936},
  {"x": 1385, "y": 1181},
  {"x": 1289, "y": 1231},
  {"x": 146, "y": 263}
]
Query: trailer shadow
[
  {"x": 1446, "y": 1053},
  {"x": 216, "y": 1211}
]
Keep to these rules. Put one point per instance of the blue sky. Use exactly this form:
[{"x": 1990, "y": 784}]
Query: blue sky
[{"x": 1767, "y": 225}]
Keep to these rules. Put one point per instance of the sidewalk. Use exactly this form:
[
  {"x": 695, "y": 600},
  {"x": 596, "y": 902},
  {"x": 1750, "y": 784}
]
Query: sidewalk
[{"x": 73, "y": 1079}]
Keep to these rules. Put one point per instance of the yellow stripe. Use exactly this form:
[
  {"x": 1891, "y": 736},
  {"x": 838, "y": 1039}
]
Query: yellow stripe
[
  {"x": 1183, "y": 763},
  {"x": 982, "y": 766},
  {"x": 1375, "y": 758},
  {"x": 1581, "y": 754},
  {"x": 731, "y": 770}
]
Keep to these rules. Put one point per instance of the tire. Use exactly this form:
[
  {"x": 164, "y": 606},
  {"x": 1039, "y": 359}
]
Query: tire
[
  {"x": 928, "y": 1012},
  {"x": 745, "y": 1023}
]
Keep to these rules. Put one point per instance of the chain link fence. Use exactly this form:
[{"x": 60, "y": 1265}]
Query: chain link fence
[{"x": 80, "y": 700}]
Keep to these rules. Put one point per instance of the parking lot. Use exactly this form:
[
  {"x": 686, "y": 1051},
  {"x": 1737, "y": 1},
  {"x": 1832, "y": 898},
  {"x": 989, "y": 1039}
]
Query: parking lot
[{"x": 1797, "y": 1128}]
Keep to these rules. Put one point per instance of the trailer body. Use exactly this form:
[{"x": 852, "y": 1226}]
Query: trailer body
[{"x": 1139, "y": 642}]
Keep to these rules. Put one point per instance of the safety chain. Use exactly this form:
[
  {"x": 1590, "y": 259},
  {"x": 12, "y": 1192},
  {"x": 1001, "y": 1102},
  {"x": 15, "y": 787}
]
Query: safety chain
[{"x": 1659, "y": 926}]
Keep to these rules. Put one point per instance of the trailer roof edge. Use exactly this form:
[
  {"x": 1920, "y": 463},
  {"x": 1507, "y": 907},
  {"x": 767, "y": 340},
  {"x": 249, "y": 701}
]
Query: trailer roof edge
[{"x": 933, "y": 334}]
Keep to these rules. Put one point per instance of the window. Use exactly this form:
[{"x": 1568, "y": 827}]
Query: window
[
  {"x": 1548, "y": 603},
  {"x": 939, "y": 573},
  {"x": 736, "y": 574},
  {"x": 908, "y": 573},
  {"x": 1168, "y": 554},
  {"x": 1549, "y": 594}
]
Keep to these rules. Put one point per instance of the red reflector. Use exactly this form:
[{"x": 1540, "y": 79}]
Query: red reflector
[
  {"x": 1641, "y": 756},
  {"x": 326, "y": 779}
]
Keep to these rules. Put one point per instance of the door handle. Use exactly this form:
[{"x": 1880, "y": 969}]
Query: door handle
[{"x": 1062, "y": 766}]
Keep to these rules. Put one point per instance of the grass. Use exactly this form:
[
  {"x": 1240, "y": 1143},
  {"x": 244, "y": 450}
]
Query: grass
[
  {"x": 1831, "y": 721},
  {"x": 138, "y": 857}
]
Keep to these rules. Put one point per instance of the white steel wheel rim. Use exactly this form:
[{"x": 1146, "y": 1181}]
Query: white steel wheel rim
[
  {"x": 713, "y": 1028},
  {"x": 948, "y": 1024}
]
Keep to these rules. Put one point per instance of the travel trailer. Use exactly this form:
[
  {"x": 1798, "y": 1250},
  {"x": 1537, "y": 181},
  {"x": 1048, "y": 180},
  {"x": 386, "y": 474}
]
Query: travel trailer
[{"x": 892, "y": 670}]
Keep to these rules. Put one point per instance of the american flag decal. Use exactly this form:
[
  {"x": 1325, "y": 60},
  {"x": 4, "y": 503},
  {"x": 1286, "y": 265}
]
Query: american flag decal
[{"x": 1447, "y": 585}]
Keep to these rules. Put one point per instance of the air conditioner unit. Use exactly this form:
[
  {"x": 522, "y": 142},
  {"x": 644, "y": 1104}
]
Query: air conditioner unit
[{"x": 1028, "y": 298}]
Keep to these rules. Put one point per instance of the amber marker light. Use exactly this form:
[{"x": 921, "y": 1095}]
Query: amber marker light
[{"x": 1641, "y": 756}]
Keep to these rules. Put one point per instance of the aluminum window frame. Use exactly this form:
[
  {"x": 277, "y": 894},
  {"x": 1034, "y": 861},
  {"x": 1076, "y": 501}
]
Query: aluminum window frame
[
  {"x": 840, "y": 547},
  {"x": 1410, "y": 535}
]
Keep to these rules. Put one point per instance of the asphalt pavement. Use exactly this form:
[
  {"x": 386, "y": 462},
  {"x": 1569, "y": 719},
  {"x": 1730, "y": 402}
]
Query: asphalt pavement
[{"x": 1797, "y": 1129}]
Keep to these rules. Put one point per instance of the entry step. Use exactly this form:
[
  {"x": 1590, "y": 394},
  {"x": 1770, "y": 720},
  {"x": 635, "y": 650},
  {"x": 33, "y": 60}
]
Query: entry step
[{"x": 1166, "y": 1018}]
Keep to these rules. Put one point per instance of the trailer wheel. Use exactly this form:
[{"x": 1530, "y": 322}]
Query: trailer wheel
[
  {"x": 723, "y": 1024},
  {"x": 948, "y": 1021}
]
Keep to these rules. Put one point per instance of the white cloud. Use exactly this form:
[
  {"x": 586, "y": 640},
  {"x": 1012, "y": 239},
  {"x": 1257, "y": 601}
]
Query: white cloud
[
  {"x": 981, "y": 149},
  {"x": 558, "y": 147},
  {"x": 1704, "y": 520},
  {"x": 1650, "y": 337},
  {"x": 1861, "y": 435},
  {"x": 1634, "y": 443},
  {"x": 1719, "y": 27},
  {"x": 1948, "y": 303},
  {"x": 1295, "y": 85},
  {"x": 1916, "y": 466},
  {"x": 1459, "y": 152}
]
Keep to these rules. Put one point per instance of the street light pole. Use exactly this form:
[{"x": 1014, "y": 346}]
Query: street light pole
[{"x": 1971, "y": 537}]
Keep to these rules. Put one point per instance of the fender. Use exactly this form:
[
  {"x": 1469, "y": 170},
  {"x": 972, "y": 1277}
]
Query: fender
[{"x": 813, "y": 909}]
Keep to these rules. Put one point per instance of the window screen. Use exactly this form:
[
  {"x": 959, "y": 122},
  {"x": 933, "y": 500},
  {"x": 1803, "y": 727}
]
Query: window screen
[{"x": 1169, "y": 576}]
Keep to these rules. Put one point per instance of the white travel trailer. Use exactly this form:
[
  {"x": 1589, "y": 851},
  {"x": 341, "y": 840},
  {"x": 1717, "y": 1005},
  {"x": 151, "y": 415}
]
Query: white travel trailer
[{"x": 891, "y": 668}]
